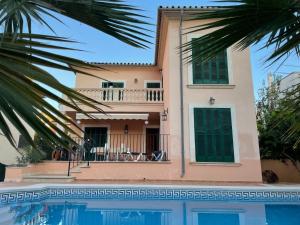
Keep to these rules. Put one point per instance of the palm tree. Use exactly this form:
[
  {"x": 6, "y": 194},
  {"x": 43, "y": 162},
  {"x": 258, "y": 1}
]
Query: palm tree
[
  {"x": 24, "y": 81},
  {"x": 274, "y": 23}
]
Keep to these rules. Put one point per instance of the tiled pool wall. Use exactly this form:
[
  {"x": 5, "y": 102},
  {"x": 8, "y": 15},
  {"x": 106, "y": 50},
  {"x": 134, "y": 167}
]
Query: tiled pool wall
[{"x": 150, "y": 193}]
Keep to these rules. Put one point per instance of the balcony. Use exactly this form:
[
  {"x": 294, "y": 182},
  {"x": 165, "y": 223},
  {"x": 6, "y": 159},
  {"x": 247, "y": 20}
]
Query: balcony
[{"x": 121, "y": 95}]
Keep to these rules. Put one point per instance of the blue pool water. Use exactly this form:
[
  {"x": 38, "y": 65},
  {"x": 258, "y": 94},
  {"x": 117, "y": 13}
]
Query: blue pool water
[
  {"x": 149, "y": 212},
  {"x": 149, "y": 205}
]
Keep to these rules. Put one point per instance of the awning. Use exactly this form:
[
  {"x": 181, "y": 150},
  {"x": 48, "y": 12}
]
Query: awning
[{"x": 114, "y": 116}]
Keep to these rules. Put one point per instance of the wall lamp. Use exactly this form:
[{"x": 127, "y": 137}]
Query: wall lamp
[
  {"x": 126, "y": 129},
  {"x": 212, "y": 100},
  {"x": 164, "y": 115}
]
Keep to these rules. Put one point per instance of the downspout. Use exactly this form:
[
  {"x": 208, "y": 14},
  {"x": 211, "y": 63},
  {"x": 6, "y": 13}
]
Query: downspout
[{"x": 181, "y": 97}]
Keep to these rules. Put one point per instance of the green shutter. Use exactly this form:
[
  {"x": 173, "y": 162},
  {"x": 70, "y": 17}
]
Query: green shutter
[
  {"x": 213, "y": 135},
  {"x": 213, "y": 71},
  {"x": 153, "y": 85}
]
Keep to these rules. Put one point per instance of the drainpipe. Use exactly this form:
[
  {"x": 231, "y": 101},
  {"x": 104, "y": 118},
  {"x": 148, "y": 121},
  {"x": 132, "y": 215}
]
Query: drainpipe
[{"x": 181, "y": 97}]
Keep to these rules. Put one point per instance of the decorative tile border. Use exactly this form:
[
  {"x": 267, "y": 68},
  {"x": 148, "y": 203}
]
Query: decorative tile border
[{"x": 151, "y": 193}]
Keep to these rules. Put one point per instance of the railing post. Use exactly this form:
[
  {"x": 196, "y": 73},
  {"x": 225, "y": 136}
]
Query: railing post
[{"x": 69, "y": 165}]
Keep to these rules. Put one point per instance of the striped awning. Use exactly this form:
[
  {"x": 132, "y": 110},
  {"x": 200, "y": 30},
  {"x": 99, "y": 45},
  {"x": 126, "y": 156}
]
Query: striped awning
[{"x": 114, "y": 116}]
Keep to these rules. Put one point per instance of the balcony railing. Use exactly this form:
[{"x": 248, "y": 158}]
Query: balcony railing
[
  {"x": 121, "y": 95},
  {"x": 122, "y": 147}
]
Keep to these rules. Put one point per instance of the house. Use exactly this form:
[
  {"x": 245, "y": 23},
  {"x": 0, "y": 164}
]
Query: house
[
  {"x": 287, "y": 83},
  {"x": 171, "y": 121}
]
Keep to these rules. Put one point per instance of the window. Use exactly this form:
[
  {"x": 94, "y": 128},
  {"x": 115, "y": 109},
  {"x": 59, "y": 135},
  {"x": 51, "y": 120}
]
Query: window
[
  {"x": 154, "y": 84},
  {"x": 108, "y": 84},
  {"x": 213, "y": 71},
  {"x": 153, "y": 95},
  {"x": 213, "y": 135},
  {"x": 113, "y": 95},
  {"x": 97, "y": 135}
]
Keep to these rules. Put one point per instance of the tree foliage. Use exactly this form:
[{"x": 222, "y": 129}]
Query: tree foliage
[
  {"x": 277, "y": 114},
  {"x": 275, "y": 23},
  {"x": 25, "y": 57}
]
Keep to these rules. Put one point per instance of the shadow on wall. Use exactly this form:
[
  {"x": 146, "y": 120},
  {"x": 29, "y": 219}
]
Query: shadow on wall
[{"x": 2, "y": 172}]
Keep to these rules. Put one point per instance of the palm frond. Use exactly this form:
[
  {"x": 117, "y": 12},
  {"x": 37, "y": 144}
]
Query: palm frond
[
  {"x": 112, "y": 17},
  {"x": 24, "y": 87},
  {"x": 247, "y": 22}
]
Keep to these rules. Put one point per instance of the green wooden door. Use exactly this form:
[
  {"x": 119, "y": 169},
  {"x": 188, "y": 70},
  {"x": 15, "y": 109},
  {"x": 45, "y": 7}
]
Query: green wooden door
[{"x": 213, "y": 135}]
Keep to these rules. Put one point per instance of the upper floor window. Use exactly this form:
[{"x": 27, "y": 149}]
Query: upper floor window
[
  {"x": 152, "y": 84},
  {"x": 113, "y": 84},
  {"x": 213, "y": 71}
]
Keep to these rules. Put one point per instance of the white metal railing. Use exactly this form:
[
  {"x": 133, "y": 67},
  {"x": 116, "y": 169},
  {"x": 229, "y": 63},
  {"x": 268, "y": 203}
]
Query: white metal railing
[{"x": 147, "y": 95}]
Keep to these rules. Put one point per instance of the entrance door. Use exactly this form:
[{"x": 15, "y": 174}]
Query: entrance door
[
  {"x": 98, "y": 135},
  {"x": 152, "y": 140}
]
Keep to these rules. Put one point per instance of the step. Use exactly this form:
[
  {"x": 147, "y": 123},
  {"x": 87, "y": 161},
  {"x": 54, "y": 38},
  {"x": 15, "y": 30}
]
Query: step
[
  {"x": 46, "y": 178},
  {"x": 77, "y": 168}
]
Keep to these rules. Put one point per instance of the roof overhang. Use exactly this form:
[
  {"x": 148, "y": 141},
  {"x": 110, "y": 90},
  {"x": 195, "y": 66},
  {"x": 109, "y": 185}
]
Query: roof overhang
[
  {"x": 165, "y": 13},
  {"x": 113, "y": 116}
]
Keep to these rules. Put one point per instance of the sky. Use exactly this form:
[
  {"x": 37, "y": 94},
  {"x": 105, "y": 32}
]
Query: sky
[{"x": 100, "y": 47}]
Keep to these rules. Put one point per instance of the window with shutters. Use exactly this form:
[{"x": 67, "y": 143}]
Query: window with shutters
[
  {"x": 152, "y": 84},
  {"x": 213, "y": 135},
  {"x": 213, "y": 71}
]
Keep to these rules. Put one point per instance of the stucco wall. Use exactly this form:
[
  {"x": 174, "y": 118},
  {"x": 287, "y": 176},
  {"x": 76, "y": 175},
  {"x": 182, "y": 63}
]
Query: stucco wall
[
  {"x": 285, "y": 171},
  {"x": 119, "y": 73},
  {"x": 8, "y": 154},
  {"x": 238, "y": 95}
]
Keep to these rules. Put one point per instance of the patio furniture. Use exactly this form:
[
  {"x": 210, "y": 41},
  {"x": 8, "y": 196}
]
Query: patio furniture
[
  {"x": 158, "y": 155},
  {"x": 128, "y": 155}
]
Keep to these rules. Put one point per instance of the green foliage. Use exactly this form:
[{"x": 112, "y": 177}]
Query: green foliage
[
  {"x": 276, "y": 116},
  {"x": 30, "y": 155},
  {"x": 44, "y": 146},
  {"x": 24, "y": 57},
  {"x": 275, "y": 23}
]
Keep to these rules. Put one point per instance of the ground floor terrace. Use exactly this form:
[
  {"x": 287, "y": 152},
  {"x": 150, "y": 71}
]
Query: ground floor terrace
[
  {"x": 140, "y": 147},
  {"x": 121, "y": 137}
]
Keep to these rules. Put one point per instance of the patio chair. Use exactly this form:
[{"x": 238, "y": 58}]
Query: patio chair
[
  {"x": 128, "y": 155},
  {"x": 158, "y": 156},
  {"x": 120, "y": 151}
]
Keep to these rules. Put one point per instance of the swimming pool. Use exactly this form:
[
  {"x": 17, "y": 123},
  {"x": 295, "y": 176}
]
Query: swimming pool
[{"x": 149, "y": 205}]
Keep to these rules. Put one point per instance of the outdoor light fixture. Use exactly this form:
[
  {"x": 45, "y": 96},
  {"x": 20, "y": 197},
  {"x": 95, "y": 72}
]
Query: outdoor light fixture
[
  {"x": 126, "y": 129},
  {"x": 136, "y": 80},
  {"x": 164, "y": 115},
  {"x": 78, "y": 121},
  {"x": 212, "y": 100},
  {"x": 146, "y": 122}
]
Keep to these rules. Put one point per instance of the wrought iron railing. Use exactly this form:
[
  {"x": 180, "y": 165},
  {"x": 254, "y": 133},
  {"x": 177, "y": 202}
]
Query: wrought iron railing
[
  {"x": 123, "y": 147},
  {"x": 119, "y": 148}
]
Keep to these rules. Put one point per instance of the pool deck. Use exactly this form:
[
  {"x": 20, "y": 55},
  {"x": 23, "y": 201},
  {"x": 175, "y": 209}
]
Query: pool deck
[{"x": 21, "y": 185}]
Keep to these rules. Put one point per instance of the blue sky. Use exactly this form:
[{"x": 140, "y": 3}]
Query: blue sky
[{"x": 102, "y": 48}]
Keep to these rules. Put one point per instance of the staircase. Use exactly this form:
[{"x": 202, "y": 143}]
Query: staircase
[{"x": 48, "y": 178}]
